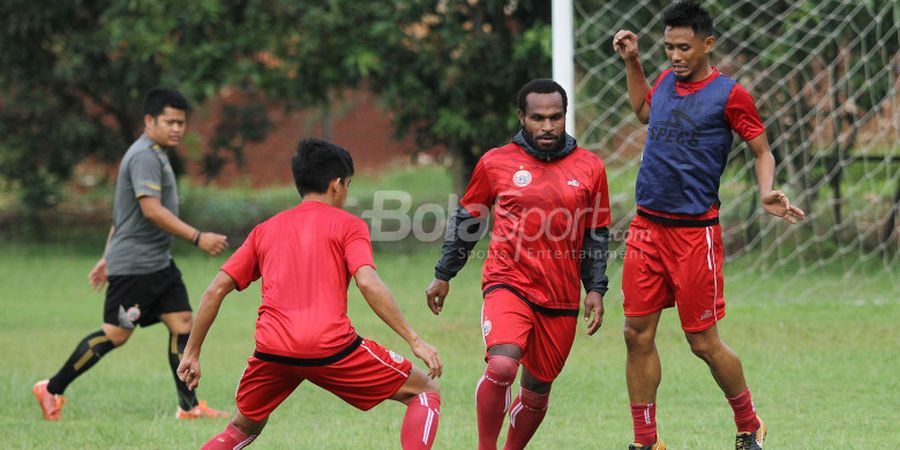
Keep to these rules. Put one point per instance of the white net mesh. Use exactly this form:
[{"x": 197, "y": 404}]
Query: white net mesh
[{"x": 824, "y": 74}]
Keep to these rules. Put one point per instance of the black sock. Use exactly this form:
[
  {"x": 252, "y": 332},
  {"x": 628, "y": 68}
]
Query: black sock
[
  {"x": 86, "y": 354},
  {"x": 187, "y": 399}
]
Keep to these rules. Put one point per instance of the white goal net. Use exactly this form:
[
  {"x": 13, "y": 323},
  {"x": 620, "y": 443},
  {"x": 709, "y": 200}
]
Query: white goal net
[{"x": 824, "y": 74}]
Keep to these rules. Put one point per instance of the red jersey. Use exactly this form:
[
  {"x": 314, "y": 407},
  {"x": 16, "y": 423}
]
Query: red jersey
[
  {"x": 306, "y": 257},
  {"x": 740, "y": 109},
  {"x": 541, "y": 210}
]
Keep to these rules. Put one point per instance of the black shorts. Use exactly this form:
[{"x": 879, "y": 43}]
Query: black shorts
[{"x": 140, "y": 299}]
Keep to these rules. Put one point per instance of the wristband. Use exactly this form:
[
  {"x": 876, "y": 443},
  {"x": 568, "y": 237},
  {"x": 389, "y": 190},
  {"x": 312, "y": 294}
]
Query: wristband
[{"x": 196, "y": 239}]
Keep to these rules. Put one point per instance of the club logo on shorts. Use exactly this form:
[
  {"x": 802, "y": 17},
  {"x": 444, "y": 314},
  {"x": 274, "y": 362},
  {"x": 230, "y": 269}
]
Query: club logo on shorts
[
  {"x": 522, "y": 178},
  {"x": 129, "y": 317},
  {"x": 486, "y": 327},
  {"x": 396, "y": 357},
  {"x": 706, "y": 315}
]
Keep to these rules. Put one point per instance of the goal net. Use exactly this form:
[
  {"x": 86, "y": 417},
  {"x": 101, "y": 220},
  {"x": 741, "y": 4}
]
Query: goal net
[{"x": 824, "y": 74}]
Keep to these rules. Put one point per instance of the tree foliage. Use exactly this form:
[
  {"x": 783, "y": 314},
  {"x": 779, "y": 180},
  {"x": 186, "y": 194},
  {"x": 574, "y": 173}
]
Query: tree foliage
[
  {"x": 75, "y": 72},
  {"x": 450, "y": 77}
]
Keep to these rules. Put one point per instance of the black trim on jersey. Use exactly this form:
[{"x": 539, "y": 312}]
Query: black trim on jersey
[
  {"x": 595, "y": 251},
  {"x": 534, "y": 307},
  {"x": 463, "y": 232},
  {"x": 310, "y": 362},
  {"x": 681, "y": 223}
]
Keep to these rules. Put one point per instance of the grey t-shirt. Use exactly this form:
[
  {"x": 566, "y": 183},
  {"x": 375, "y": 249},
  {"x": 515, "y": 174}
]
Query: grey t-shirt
[{"x": 137, "y": 245}]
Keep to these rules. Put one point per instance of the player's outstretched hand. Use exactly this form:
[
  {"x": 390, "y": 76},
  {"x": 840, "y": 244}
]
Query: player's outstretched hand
[
  {"x": 593, "y": 311},
  {"x": 625, "y": 43},
  {"x": 778, "y": 205},
  {"x": 212, "y": 243},
  {"x": 189, "y": 371},
  {"x": 435, "y": 294},
  {"x": 98, "y": 275},
  {"x": 429, "y": 356}
]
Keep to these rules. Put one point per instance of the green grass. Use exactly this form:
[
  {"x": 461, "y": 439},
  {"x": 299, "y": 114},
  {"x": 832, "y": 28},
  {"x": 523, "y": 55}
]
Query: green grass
[{"x": 821, "y": 361}]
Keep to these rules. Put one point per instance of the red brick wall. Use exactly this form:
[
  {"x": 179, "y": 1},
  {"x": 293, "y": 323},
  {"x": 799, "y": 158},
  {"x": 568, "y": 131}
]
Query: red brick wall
[{"x": 359, "y": 124}]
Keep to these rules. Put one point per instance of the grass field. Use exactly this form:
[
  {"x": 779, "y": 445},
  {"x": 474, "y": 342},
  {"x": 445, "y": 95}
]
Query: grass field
[{"x": 821, "y": 361}]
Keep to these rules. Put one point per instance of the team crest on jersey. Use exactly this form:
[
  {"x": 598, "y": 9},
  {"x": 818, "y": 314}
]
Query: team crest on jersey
[
  {"x": 522, "y": 178},
  {"x": 396, "y": 357},
  {"x": 486, "y": 327}
]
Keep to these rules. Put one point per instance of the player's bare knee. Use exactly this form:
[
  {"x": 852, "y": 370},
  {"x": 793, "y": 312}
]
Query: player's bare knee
[
  {"x": 432, "y": 386},
  {"x": 241, "y": 422},
  {"x": 116, "y": 335},
  {"x": 703, "y": 346},
  {"x": 638, "y": 340},
  {"x": 178, "y": 323}
]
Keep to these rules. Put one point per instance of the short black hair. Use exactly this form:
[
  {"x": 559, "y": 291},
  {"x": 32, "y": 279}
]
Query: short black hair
[
  {"x": 159, "y": 97},
  {"x": 689, "y": 14},
  {"x": 317, "y": 162},
  {"x": 541, "y": 86}
]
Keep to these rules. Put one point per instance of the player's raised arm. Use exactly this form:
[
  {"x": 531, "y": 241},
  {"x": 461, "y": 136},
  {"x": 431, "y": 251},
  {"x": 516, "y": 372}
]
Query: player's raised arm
[
  {"x": 775, "y": 202},
  {"x": 189, "y": 368},
  {"x": 379, "y": 298},
  {"x": 625, "y": 43}
]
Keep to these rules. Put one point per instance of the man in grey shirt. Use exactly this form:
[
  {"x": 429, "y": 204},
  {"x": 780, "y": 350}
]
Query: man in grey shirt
[{"x": 145, "y": 286}]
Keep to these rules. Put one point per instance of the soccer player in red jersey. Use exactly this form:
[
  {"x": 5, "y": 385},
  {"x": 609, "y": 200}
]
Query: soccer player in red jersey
[
  {"x": 674, "y": 248},
  {"x": 551, "y": 210},
  {"x": 306, "y": 257}
]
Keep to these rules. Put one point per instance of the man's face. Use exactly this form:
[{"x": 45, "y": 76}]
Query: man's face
[
  {"x": 544, "y": 121},
  {"x": 167, "y": 129},
  {"x": 687, "y": 53}
]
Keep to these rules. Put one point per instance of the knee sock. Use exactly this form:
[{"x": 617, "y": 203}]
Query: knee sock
[
  {"x": 492, "y": 398},
  {"x": 421, "y": 421},
  {"x": 525, "y": 415},
  {"x": 187, "y": 399},
  {"x": 230, "y": 439},
  {"x": 744, "y": 412},
  {"x": 86, "y": 354},
  {"x": 643, "y": 417}
]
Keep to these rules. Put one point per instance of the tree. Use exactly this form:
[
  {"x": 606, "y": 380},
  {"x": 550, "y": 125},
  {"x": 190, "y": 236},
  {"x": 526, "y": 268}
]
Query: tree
[
  {"x": 451, "y": 74},
  {"x": 75, "y": 74}
]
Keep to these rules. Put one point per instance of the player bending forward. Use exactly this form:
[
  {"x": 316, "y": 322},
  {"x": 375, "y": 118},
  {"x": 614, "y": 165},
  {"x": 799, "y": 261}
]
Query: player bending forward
[{"x": 306, "y": 256}]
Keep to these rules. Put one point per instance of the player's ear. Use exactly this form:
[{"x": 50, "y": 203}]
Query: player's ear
[
  {"x": 148, "y": 120},
  {"x": 335, "y": 185},
  {"x": 708, "y": 43},
  {"x": 521, "y": 115}
]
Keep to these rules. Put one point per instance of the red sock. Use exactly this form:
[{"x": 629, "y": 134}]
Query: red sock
[
  {"x": 744, "y": 412},
  {"x": 643, "y": 417},
  {"x": 421, "y": 421},
  {"x": 492, "y": 398},
  {"x": 230, "y": 439},
  {"x": 525, "y": 415}
]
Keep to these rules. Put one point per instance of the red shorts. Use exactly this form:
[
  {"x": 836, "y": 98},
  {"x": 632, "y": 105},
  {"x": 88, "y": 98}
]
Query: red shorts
[
  {"x": 545, "y": 339},
  {"x": 364, "y": 378},
  {"x": 674, "y": 266}
]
